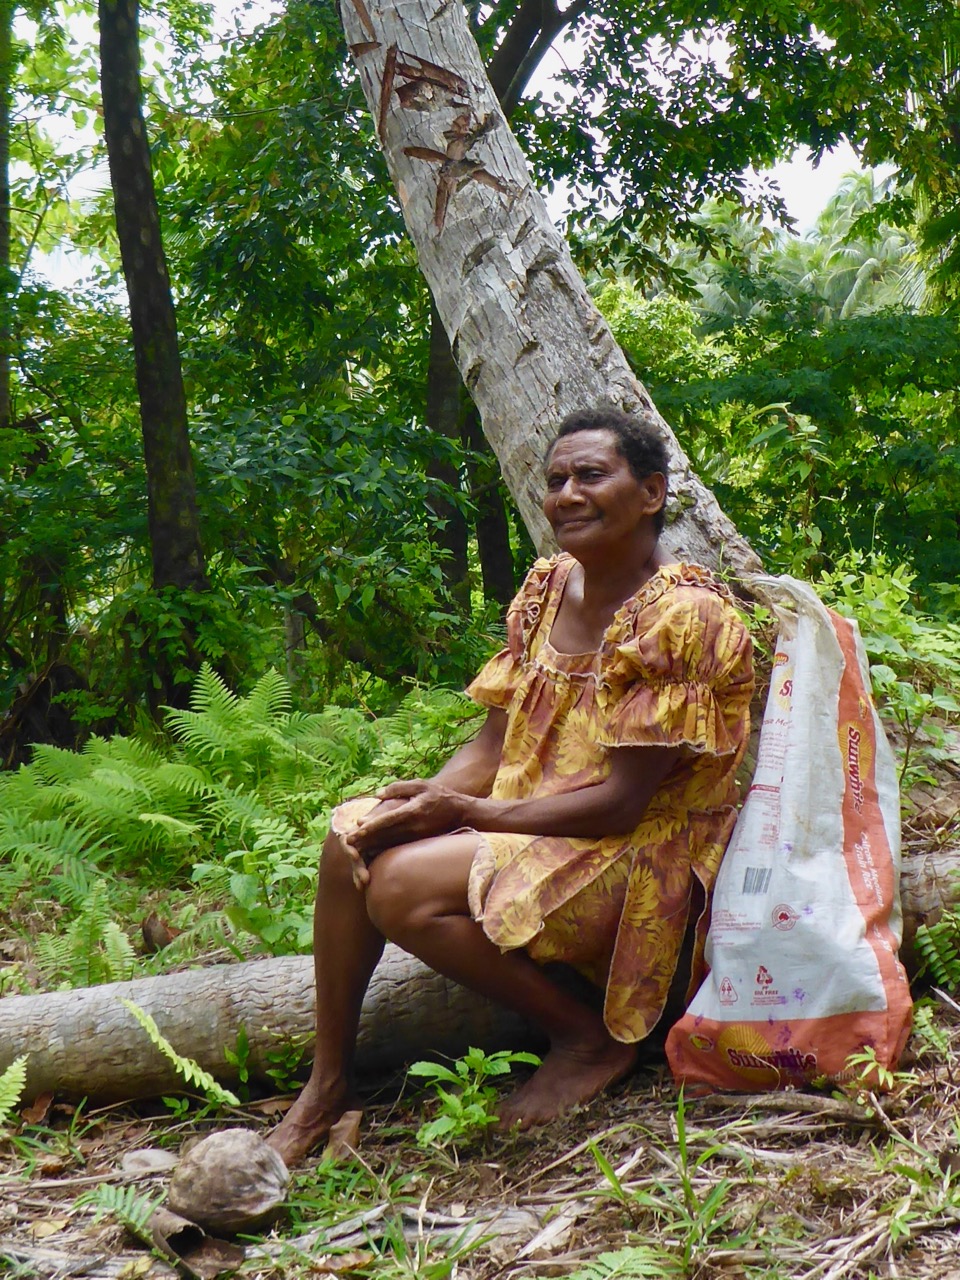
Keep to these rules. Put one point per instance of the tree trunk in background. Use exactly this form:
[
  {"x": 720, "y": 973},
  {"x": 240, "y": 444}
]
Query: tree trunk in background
[
  {"x": 7, "y": 10},
  {"x": 528, "y": 341},
  {"x": 533, "y": 29},
  {"x": 171, "y": 490},
  {"x": 493, "y": 527},
  {"x": 443, "y": 419}
]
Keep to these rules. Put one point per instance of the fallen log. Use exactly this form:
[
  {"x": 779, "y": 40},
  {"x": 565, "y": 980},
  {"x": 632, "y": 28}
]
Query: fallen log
[{"x": 85, "y": 1043}]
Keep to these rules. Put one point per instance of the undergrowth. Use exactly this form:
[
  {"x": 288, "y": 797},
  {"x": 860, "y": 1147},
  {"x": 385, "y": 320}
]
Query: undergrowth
[
  {"x": 914, "y": 658},
  {"x": 231, "y": 804}
]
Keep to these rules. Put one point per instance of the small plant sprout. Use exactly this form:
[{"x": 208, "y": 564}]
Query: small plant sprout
[
  {"x": 869, "y": 1074},
  {"x": 191, "y": 1071},
  {"x": 466, "y": 1099},
  {"x": 12, "y": 1083},
  {"x": 129, "y": 1206}
]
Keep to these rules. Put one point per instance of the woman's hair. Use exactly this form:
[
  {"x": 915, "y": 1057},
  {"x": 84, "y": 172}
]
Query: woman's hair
[{"x": 637, "y": 441}]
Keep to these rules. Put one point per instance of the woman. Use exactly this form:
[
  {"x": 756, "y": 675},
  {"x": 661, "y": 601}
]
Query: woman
[{"x": 577, "y": 824}]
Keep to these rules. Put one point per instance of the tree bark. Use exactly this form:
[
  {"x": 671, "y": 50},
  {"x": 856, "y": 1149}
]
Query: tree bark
[
  {"x": 443, "y": 419},
  {"x": 171, "y": 490},
  {"x": 85, "y": 1043},
  {"x": 527, "y": 339},
  {"x": 492, "y": 525},
  {"x": 7, "y": 10}
]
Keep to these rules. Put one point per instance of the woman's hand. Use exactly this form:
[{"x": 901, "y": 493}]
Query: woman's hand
[{"x": 408, "y": 811}]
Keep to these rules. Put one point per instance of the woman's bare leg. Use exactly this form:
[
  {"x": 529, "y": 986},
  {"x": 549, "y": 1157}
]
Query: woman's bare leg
[
  {"x": 418, "y": 899},
  {"x": 346, "y": 949}
]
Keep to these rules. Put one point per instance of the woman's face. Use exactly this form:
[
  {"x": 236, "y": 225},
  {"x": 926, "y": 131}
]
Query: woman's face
[{"x": 593, "y": 500}]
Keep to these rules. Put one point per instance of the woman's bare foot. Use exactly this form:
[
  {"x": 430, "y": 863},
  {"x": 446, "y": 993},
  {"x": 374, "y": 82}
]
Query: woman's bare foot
[
  {"x": 308, "y": 1123},
  {"x": 569, "y": 1076}
]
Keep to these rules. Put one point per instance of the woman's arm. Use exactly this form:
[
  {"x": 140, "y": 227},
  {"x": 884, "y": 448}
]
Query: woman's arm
[
  {"x": 611, "y": 807},
  {"x": 472, "y": 768},
  {"x": 470, "y": 771}
]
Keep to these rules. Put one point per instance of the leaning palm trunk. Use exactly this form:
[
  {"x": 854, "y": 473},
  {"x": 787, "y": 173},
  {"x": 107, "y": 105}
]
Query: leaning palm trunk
[{"x": 530, "y": 344}]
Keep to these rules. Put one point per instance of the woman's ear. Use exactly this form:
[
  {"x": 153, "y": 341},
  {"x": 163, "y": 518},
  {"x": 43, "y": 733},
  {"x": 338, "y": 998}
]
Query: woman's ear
[{"x": 653, "y": 491}]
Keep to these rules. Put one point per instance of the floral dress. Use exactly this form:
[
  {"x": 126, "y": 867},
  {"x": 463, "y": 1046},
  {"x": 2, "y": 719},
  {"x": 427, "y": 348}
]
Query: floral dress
[{"x": 674, "y": 669}]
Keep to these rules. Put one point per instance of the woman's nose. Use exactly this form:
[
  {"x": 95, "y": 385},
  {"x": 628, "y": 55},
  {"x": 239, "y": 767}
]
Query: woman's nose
[{"x": 569, "y": 490}]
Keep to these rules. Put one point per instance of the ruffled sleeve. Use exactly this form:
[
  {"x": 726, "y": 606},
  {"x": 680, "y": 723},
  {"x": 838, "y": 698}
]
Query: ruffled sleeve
[
  {"x": 679, "y": 672},
  {"x": 496, "y": 683}
]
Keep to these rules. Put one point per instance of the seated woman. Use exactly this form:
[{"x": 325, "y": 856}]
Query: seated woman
[{"x": 577, "y": 824}]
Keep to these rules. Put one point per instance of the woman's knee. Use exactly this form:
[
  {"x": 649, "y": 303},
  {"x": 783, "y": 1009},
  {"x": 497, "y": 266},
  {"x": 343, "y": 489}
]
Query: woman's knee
[
  {"x": 396, "y": 895},
  {"x": 336, "y": 865}
]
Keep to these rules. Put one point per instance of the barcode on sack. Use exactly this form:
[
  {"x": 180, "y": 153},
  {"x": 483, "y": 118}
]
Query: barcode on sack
[{"x": 756, "y": 879}]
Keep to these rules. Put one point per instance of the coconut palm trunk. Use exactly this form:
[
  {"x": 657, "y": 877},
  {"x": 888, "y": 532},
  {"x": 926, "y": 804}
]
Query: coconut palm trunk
[{"x": 526, "y": 337}]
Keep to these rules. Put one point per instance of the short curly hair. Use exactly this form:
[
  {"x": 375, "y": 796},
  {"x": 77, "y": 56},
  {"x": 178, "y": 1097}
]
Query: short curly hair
[{"x": 638, "y": 442}]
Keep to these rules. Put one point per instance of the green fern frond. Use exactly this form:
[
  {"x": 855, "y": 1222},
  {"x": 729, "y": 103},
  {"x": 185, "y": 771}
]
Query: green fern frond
[
  {"x": 211, "y": 693},
  {"x": 45, "y": 839},
  {"x": 173, "y": 826},
  {"x": 270, "y": 699},
  {"x": 89, "y": 950},
  {"x": 121, "y": 959},
  {"x": 926, "y": 1031},
  {"x": 73, "y": 882},
  {"x": 134, "y": 754},
  {"x": 127, "y": 1204},
  {"x": 12, "y": 1084},
  {"x": 56, "y": 766},
  {"x": 236, "y": 810},
  {"x": 191, "y": 1071},
  {"x": 177, "y": 778},
  {"x": 939, "y": 946}
]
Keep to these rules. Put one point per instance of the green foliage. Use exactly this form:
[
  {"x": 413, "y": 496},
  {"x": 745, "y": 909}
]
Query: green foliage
[
  {"x": 191, "y": 1071},
  {"x": 634, "y": 1262},
  {"x": 694, "y": 1222},
  {"x": 931, "y": 1038},
  {"x": 939, "y": 945},
  {"x": 914, "y": 658},
  {"x": 815, "y": 402},
  {"x": 238, "y": 799},
  {"x": 465, "y": 1099},
  {"x": 12, "y": 1083},
  {"x": 128, "y": 1205},
  {"x": 90, "y": 949}
]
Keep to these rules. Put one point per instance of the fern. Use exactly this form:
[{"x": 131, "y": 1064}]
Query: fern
[
  {"x": 191, "y": 1071},
  {"x": 88, "y": 950},
  {"x": 939, "y": 946},
  {"x": 635, "y": 1262},
  {"x": 126, "y": 1204},
  {"x": 270, "y": 698},
  {"x": 927, "y": 1033},
  {"x": 241, "y": 794},
  {"x": 12, "y": 1084}
]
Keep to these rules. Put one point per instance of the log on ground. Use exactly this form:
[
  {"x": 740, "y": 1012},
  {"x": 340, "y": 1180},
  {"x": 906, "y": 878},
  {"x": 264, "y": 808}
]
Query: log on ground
[{"x": 86, "y": 1043}]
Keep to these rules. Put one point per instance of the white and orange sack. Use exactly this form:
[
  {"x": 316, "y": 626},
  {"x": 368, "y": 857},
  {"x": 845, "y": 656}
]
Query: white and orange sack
[{"x": 805, "y": 922}]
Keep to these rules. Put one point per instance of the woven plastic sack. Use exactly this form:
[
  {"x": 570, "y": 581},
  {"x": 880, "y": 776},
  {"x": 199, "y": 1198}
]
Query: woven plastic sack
[{"x": 805, "y": 920}]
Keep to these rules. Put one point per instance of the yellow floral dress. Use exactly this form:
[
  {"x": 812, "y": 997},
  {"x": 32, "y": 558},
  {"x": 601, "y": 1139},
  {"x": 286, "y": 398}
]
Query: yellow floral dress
[{"x": 674, "y": 669}]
